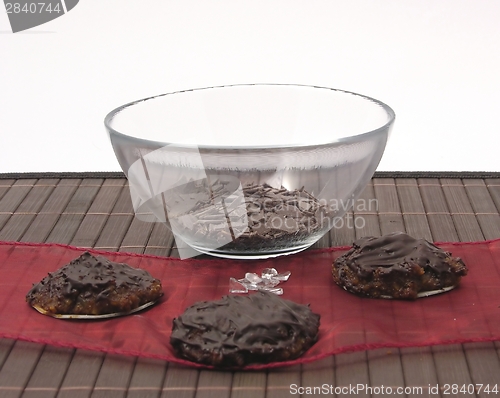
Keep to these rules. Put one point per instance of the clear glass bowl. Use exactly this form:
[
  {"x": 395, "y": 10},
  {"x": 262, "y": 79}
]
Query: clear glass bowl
[{"x": 251, "y": 170}]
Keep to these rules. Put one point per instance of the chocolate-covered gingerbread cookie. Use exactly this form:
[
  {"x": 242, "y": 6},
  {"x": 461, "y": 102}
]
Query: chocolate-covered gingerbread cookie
[
  {"x": 397, "y": 266},
  {"x": 96, "y": 286},
  {"x": 239, "y": 330}
]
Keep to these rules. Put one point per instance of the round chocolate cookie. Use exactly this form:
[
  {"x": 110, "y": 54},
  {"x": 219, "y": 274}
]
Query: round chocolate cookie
[
  {"x": 397, "y": 266},
  {"x": 239, "y": 330},
  {"x": 92, "y": 285}
]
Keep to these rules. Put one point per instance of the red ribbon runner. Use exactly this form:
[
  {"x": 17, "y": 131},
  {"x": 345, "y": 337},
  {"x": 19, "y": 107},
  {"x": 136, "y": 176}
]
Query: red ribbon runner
[{"x": 469, "y": 313}]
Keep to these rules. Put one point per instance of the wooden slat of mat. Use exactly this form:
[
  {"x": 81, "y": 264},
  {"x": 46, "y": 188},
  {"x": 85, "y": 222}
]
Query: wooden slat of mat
[
  {"x": 174, "y": 251},
  {"x": 249, "y": 385},
  {"x": 214, "y": 384},
  {"x": 319, "y": 373},
  {"x": 419, "y": 371},
  {"x": 5, "y": 186},
  {"x": 438, "y": 215},
  {"x": 365, "y": 216},
  {"x": 412, "y": 207},
  {"x": 180, "y": 382},
  {"x": 47, "y": 217},
  {"x": 493, "y": 186},
  {"x": 47, "y": 374},
  {"x": 484, "y": 365},
  {"x": 113, "y": 232},
  {"x": 137, "y": 236},
  {"x": 86, "y": 196},
  {"x": 350, "y": 370},
  {"x": 279, "y": 381},
  {"x": 114, "y": 376},
  {"x": 32, "y": 352},
  {"x": 451, "y": 363},
  {"x": 385, "y": 367},
  {"x": 342, "y": 233},
  {"x": 112, "y": 372},
  {"x": 323, "y": 371},
  {"x": 80, "y": 377},
  {"x": 451, "y": 366},
  {"x": 465, "y": 221},
  {"x": 461, "y": 210},
  {"x": 482, "y": 358},
  {"x": 390, "y": 217},
  {"x": 117, "y": 223},
  {"x": 494, "y": 190},
  {"x": 22, "y": 357},
  {"x": 484, "y": 207},
  {"x": 12, "y": 198},
  {"x": 160, "y": 241},
  {"x": 24, "y": 214},
  {"x": 112, "y": 198},
  {"x": 15, "y": 194},
  {"x": 417, "y": 363},
  {"x": 18, "y": 367},
  {"x": 98, "y": 213},
  {"x": 70, "y": 219},
  {"x": 147, "y": 378},
  {"x": 5, "y": 347}
]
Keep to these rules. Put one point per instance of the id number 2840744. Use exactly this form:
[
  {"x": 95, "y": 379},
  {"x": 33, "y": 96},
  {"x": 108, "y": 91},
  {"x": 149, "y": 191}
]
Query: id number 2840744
[
  {"x": 454, "y": 389},
  {"x": 33, "y": 8}
]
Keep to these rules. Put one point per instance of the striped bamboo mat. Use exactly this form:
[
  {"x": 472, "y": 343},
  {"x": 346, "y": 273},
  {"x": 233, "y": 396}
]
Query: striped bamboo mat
[{"x": 94, "y": 210}]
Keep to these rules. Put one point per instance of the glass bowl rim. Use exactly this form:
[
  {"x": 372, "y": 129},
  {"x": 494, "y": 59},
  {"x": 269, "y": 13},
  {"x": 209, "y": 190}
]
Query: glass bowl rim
[{"x": 342, "y": 140}]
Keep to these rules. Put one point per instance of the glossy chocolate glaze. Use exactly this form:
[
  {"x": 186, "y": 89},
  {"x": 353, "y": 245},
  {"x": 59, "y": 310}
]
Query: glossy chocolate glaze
[
  {"x": 397, "y": 252},
  {"x": 258, "y": 323},
  {"x": 89, "y": 272}
]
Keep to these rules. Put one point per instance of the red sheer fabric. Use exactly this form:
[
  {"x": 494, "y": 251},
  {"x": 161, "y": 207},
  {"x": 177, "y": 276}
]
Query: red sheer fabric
[{"x": 348, "y": 323}]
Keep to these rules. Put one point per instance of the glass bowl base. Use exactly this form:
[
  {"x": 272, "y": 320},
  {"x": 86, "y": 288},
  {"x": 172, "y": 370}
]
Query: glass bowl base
[{"x": 260, "y": 255}]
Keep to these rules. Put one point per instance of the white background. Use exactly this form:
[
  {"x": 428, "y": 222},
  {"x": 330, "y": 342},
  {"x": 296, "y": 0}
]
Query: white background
[{"x": 436, "y": 63}]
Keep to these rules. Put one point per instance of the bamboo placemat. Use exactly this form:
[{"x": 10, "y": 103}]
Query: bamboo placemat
[{"x": 94, "y": 210}]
